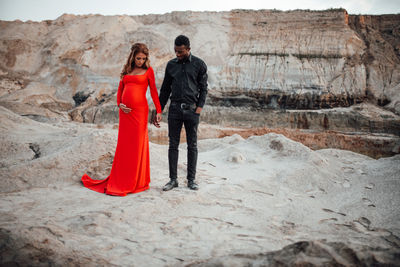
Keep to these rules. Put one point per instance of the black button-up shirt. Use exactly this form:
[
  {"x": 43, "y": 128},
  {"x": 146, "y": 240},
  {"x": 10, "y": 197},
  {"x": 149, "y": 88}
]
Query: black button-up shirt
[{"x": 185, "y": 81}]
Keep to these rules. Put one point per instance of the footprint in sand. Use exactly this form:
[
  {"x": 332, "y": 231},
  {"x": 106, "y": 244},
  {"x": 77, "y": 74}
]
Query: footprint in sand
[
  {"x": 370, "y": 186},
  {"x": 331, "y": 211},
  {"x": 368, "y": 202},
  {"x": 287, "y": 227},
  {"x": 262, "y": 192},
  {"x": 205, "y": 162},
  {"x": 364, "y": 222}
]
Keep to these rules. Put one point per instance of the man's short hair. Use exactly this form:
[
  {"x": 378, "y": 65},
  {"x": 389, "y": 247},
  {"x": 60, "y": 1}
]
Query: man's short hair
[{"x": 182, "y": 40}]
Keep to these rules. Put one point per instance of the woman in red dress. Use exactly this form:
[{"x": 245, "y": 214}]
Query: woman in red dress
[{"x": 130, "y": 172}]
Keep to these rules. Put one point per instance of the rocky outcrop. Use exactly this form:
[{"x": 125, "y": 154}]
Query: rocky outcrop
[
  {"x": 361, "y": 118},
  {"x": 68, "y": 68},
  {"x": 308, "y": 60},
  {"x": 314, "y": 253},
  {"x": 381, "y": 35},
  {"x": 375, "y": 146}
]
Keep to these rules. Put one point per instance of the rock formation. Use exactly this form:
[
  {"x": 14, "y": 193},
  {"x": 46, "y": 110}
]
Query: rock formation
[{"x": 264, "y": 60}]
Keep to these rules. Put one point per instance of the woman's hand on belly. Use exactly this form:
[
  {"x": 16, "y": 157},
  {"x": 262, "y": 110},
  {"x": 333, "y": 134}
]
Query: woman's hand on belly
[{"x": 124, "y": 108}]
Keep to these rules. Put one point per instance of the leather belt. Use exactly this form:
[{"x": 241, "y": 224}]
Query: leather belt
[{"x": 184, "y": 105}]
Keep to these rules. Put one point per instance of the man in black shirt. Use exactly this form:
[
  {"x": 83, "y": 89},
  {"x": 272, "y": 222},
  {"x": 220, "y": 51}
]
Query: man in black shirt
[{"x": 185, "y": 82}]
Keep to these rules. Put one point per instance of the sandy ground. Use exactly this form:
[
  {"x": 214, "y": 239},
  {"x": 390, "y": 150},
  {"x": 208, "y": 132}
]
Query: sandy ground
[{"x": 256, "y": 195}]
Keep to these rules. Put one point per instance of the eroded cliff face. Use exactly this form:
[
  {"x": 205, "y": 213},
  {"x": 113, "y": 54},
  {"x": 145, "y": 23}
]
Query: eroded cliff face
[
  {"x": 381, "y": 35},
  {"x": 310, "y": 60},
  {"x": 297, "y": 60},
  {"x": 260, "y": 63}
]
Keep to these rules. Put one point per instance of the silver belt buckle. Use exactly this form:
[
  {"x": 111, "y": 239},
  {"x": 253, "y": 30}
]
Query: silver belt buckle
[{"x": 183, "y": 105}]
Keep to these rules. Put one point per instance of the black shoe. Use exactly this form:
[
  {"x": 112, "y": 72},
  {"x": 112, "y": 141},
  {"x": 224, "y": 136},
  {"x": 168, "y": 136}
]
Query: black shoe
[
  {"x": 171, "y": 184},
  {"x": 192, "y": 185}
]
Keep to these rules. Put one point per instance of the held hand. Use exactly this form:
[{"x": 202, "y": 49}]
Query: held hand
[
  {"x": 157, "y": 119},
  {"x": 124, "y": 108},
  {"x": 198, "y": 110}
]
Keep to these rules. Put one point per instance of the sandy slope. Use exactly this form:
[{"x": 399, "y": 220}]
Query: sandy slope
[{"x": 256, "y": 195}]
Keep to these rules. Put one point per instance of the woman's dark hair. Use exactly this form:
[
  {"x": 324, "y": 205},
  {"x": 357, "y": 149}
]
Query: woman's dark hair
[
  {"x": 130, "y": 63},
  {"x": 182, "y": 40}
]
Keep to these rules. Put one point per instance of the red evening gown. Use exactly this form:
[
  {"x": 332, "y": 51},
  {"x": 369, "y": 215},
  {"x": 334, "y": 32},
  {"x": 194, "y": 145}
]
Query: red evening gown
[{"x": 130, "y": 172}]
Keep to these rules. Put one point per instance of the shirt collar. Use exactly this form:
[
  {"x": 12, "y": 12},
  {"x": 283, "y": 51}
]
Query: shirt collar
[{"x": 188, "y": 59}]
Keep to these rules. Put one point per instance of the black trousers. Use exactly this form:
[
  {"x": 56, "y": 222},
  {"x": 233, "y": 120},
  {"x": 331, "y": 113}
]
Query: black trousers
[{"x": 178, "y": 116}]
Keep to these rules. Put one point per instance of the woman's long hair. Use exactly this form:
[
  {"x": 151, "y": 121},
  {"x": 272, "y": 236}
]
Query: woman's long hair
[{"x": 130, "y": 63}]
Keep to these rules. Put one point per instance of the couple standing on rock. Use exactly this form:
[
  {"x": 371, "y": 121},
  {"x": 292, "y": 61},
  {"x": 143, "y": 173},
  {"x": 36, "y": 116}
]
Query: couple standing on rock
[{"x": 185, "y": 82}]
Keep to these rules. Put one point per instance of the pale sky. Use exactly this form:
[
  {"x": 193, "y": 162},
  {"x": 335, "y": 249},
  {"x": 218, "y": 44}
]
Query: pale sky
[{"x": 38, "y": 10}]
